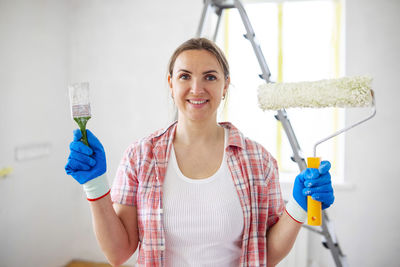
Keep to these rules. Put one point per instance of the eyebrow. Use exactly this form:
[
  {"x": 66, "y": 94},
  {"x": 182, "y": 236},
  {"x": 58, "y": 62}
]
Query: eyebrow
[{"x": 205, "y": 72}]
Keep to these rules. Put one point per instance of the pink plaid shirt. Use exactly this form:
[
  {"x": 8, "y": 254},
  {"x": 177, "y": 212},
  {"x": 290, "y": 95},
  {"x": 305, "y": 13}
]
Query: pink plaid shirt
[{"x": 141, "y": 173}]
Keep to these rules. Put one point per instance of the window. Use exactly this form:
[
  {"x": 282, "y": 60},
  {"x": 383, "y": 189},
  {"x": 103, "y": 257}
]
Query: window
[{"x": 301, "y": 41}]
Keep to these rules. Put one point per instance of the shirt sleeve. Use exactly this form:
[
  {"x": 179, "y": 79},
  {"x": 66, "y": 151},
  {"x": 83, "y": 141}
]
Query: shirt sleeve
[
  {"x": 125, "y": 185},
  {"x": 276, "y": 205}
]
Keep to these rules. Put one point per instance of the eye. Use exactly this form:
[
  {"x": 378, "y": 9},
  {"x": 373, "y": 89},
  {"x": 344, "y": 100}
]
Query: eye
[
  {"x": 210, "y": 77},
  {"x": 184, "y": 76}
]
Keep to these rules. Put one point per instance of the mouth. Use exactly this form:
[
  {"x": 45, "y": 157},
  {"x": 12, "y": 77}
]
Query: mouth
[{"x": 197, "y": 102}]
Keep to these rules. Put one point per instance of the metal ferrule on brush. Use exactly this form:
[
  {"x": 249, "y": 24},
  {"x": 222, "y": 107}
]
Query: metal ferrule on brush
[{"x": 79, "y": 111}]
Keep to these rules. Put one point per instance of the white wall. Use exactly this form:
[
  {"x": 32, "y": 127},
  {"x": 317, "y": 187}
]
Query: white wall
[
  {"x": 122, "y": 49},
  {"x": 368, "y": 217},
  {"x": 38, "y": 210}
]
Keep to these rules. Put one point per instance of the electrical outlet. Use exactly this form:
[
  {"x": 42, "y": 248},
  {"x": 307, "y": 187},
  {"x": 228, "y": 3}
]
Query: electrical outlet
[{"x": 32, "y": 151}]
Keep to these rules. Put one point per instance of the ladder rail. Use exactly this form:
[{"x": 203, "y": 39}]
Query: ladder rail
[
  {"x": 251, "y": 36},
  {"x": 204, "y": 13}
]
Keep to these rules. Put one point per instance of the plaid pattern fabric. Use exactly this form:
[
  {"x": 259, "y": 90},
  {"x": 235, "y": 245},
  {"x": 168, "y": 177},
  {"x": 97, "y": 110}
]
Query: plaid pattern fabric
[{"x": 254, "y": 171}]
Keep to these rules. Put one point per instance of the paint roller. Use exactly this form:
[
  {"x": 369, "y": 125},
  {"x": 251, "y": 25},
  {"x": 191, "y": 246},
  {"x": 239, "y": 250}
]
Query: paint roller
[{"x": 343, "y": 93}]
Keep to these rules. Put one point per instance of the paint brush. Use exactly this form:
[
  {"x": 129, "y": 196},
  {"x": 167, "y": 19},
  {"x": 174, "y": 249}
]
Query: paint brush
[{"x": 80, "y": 106}]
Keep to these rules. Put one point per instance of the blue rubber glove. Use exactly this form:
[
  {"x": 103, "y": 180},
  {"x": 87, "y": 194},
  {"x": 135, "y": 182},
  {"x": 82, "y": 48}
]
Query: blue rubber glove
[
  {"x": 86, "y": 163},
  {"x": 316, "y": 183}
]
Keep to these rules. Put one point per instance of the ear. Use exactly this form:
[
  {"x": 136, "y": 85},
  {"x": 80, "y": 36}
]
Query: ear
[
  {"x": 227, "y": 83},
  {"x": 170, "y": 81},
  {"x": 170, "y": 85}
]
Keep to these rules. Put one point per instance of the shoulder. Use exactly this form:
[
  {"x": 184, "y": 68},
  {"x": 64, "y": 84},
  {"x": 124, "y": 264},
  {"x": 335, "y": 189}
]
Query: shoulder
[
  {"x": 237, "y": 139},
  {"x": 249, "y": 148},
  {"x": 157, "y": 138}
]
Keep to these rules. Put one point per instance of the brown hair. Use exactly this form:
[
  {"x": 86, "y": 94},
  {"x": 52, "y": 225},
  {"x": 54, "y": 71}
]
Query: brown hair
[{"x": 200, "y": 44}]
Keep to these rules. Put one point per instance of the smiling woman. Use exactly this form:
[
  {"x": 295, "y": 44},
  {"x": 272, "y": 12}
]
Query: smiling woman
[
  {"x": 197, "y": 185},
  {"x": 203, "y": 46}
]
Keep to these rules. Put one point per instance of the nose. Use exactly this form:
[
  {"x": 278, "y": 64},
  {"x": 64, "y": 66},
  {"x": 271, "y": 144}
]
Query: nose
[{"x": 197, "y": 87}]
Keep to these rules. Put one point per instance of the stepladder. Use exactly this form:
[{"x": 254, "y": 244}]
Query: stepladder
[{"x": 326, "y": 230}]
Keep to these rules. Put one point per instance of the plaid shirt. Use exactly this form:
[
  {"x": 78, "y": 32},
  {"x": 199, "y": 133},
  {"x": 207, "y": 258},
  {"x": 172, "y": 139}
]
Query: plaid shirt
[{"x": 141, "y": 173}]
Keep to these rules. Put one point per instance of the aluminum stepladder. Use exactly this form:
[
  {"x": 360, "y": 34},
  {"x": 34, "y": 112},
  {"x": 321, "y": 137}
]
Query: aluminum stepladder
[{"x": 218, "y": 6}]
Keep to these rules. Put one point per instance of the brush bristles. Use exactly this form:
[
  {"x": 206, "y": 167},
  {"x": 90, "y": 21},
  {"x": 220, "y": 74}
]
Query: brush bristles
[{"x": 344, "y": 92}]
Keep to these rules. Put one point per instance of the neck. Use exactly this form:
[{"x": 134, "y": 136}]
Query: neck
[{"x": 190, "y": 132}]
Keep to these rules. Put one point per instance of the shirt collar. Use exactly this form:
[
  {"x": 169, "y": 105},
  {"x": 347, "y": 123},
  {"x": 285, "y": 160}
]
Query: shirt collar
[
  {"x": 235, "y": 137},
  {"x": 166, "y": 136}
]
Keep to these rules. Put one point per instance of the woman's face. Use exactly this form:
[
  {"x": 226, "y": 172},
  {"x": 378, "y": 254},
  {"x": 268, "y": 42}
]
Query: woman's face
[{"x": 197, "y": 85}]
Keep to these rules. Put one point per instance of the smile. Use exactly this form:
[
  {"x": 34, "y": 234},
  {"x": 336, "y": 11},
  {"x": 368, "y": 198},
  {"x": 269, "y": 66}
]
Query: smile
[{"x": 197, "y": 102}]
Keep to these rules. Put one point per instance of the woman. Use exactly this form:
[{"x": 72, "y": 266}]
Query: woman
[{"x": 198, "y": 192}]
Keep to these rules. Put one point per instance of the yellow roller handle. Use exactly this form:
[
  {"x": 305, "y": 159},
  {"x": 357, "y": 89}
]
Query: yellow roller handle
[{"x": 314, "y": 210}]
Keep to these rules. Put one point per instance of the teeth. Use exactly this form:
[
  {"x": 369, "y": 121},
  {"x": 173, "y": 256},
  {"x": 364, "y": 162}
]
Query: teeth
[{"x": 197, "y": 102}]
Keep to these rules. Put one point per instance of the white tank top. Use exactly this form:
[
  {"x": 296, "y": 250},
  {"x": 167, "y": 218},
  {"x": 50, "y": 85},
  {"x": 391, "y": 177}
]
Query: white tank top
[{"x": 203, "y": 218}]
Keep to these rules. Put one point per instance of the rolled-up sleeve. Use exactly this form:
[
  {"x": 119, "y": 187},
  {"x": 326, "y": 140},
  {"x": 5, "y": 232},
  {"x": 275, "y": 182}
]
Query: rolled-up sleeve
[
  {"x": 276, "y": 205},
  {"x": 125, "y": 184}
]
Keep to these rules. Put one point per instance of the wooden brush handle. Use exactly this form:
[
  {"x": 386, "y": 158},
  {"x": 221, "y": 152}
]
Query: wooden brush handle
[
  {"x": 314, "y": 211},
  {"x": 81, "y": 121}
]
